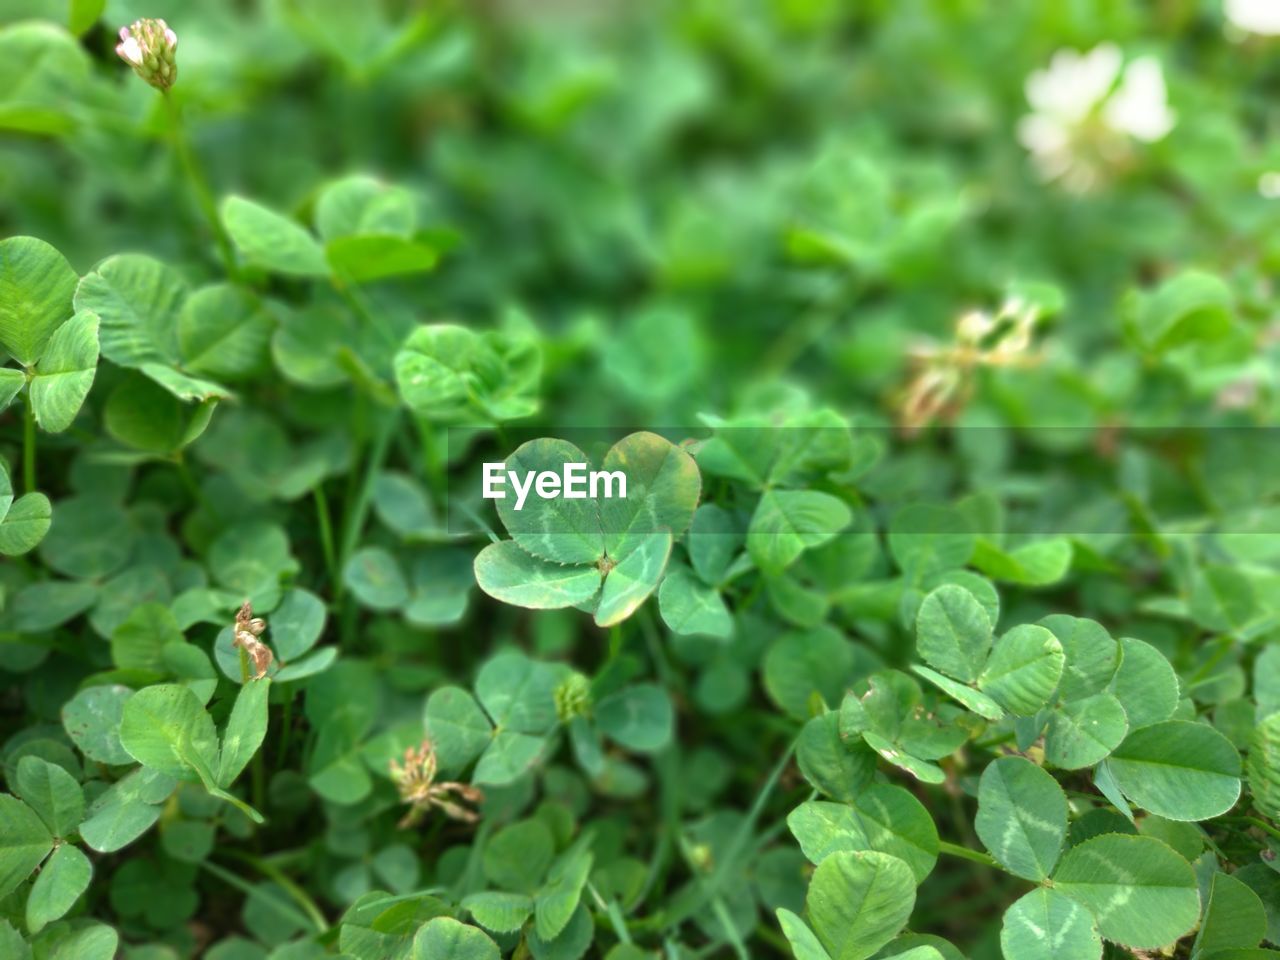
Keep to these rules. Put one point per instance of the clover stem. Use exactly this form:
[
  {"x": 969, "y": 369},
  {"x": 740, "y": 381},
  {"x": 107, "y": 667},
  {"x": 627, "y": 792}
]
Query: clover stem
[
  {"x": 668, "y": 767},
  {"x": 196, "y": 180},
  {"x": 654, "y": 642},
  {"x": 615, "y": 915},
  {"x": 964, "y": 853},
  {"x": 355, "y": 520},
  {"x": 471, "y": 878},
  {"x": 360, "y": 509},
  {"x": 432, "y": 459},
  {"x": 730, "y": 928},
  {"x": 325, "y": 526},
  {"x": 29, "y": 445},
  {"x": 193, "y": 488},
  {"x": 286, "y": 730},
  {"x": 355, "y": 303},
  {"x": 265, "y": 897},
  {"x": 728, "y": 862},
  {"x": 282, "y": 880},
  {"x": 354, "y": 517},
  {"x": 259, "y": 781},
  {"x": 1255, "y": 822},
  {"x": 769, "y": 936}
]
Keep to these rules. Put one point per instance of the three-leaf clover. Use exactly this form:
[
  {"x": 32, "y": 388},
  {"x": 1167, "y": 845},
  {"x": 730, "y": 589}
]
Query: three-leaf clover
[{"x": 604, "y": 555}]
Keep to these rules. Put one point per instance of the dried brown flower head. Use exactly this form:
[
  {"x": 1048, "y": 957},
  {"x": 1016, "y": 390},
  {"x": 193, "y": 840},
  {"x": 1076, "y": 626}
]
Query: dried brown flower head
[
  {"x": 944, "y": 373},
  {"x": 415, "y": 778},
  {"x": 248, "y": 629}
]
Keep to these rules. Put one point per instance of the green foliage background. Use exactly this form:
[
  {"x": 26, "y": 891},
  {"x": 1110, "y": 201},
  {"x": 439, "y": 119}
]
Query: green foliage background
[{"x": 970, "y": 648}]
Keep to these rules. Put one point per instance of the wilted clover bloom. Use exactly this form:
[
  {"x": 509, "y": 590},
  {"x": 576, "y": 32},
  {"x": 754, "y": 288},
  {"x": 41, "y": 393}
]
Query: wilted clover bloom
[
  {"x": 943, "y": 375},
  {"x": 150, "y": 47},
  {"x": 247, "y": 631},
  {"x": 1088, "y": 109},
  {"x": 415, "y": 779}
]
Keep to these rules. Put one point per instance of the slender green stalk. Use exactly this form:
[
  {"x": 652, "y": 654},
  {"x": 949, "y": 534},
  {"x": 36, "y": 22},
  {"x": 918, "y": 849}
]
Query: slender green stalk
[
  {"x": 193, "y": 488},
  {"x": 774, "y": 939},
  {"x": 779, "y": 826},
  {"x": 284, "y": 909},
  {"x": 667, "y": 765},
  {"x": 653, "y": 640},
  {"x": 964, "y": 853},
  {"x": 432, "y": 460},
  {"x": 800, "y": 336},
  {"x": 730, "y": 930},
  {"x": 259, "y": 781},
  {"x": 29, "y": 445},
  {"x": 299, "y": 896},
  {"x": 616, "y": 920},
  {"x": 472, "y": 877},
  {"x": 1255, "y": 822},
  {"x": 353, "y": 523},
  {"x": 357, "y": 511},
  {"x": 366, "y": 316},
  {"x": 729, "y": 861},
  {"x": 197, "y": 181},
  {"x": 325, "y": 526},
  {"x": 286, "y": 731}
]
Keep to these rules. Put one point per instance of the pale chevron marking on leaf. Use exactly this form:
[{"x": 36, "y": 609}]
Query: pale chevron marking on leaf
[
  {"x": 877, "y": 811},
  {"x": 1059, "y": 936},
  {"x": 1037, "y": 931},
  {"x": 1012, "y": 797},
  {"x": 1019, "y": 824},
  {"x": 1115, "y": 875},
  {"x": 1075, "y": 918}
]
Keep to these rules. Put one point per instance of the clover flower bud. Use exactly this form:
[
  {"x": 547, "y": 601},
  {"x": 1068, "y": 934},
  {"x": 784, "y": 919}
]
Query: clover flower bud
[
  {"x": 150, "y": 47},
  {"x": 573, "y": 697}
]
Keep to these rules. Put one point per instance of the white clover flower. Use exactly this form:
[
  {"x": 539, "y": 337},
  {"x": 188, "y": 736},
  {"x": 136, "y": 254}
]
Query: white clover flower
[
  {"x": 1253, "y": 16},
  {"x": 150, "y": 46},
  {"x": 128, "y": 48},
  {"x": 1087, "y": 110},
  {"x": 1140, "y": 106}
]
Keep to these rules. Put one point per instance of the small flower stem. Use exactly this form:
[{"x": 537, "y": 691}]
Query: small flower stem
[
  {"x": 272, "y": 872},
  {"x": 730, "y": 929},
  {"x": 325, "y": 527},
  {"x": 193, "y": 488},
  {"x": 29, "y": 445},
  {"x": 197, "y": 181},
  {"x": 611, "y": 910},
  {"x": 259, "y": 774},
  {"x": 354, "y": 521},
  {"x": 286, "y": 730},
  {"x": 964, "y": 853},
  {"x": 1255, "y": 822},
  {"x": 729, "y": 861},
  {"x": 774, "y": 939},
  {"x": 432, "y": 459}
]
